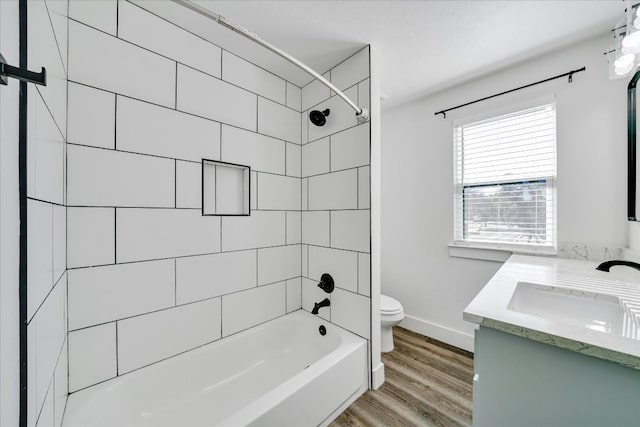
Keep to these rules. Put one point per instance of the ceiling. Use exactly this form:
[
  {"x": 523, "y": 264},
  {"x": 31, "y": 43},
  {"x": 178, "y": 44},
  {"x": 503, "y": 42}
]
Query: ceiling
[{"x": 425, "y": 46}]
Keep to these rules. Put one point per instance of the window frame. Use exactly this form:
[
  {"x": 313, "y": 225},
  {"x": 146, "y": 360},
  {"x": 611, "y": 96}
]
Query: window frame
[{"x": 460, "y": 246}]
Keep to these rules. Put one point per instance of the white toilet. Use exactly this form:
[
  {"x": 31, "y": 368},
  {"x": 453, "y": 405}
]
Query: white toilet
[{"x": 391, "y": 314}]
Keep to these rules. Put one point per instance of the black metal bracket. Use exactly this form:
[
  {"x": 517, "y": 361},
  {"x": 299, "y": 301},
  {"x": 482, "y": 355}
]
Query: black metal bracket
[{"x": 7, "y": 71}]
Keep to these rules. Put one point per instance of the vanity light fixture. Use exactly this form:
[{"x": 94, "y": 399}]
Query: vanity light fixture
[{"x": 624, "y": 54}]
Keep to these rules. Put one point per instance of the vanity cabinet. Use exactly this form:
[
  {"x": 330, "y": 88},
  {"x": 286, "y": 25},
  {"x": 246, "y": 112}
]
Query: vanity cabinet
[{"x": 524, "y": 383}]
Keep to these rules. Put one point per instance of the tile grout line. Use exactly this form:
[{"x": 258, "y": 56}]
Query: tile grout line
[
  {"x": 115, "y": 236},
  {"x": 117, "y": 352},
  {"x": 175, "y": 95}
]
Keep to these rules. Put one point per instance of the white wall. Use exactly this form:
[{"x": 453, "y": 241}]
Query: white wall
[
  {"x": 417, "y": 181},
  {"x": 9, "y": 223}
]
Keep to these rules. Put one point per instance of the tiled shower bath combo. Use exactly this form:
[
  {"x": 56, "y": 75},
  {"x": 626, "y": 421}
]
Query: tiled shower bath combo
[{"x": 150, "y": 273}]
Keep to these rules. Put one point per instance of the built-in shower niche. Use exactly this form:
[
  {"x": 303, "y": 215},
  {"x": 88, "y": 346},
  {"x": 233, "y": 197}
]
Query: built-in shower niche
[{"x": 226, "y": 188}]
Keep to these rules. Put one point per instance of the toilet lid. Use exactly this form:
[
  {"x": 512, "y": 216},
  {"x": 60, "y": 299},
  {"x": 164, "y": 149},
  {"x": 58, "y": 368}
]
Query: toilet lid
[{"x": 389, "y": 305}]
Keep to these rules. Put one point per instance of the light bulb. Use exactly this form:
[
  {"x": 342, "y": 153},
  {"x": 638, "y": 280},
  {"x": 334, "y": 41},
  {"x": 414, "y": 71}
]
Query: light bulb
[
  {"x": 623, "y": 69},
  {"x": 625, "y": 60},
  {"x": 631, "y": 40}
]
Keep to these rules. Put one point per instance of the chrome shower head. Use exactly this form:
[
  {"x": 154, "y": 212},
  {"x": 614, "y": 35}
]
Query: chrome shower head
[{"x": 318, "y": 118}]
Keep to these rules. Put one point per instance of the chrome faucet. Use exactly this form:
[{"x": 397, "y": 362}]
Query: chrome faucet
[
  {"x": 606, "y": 266},
  {"x": 317, "y": 306}
]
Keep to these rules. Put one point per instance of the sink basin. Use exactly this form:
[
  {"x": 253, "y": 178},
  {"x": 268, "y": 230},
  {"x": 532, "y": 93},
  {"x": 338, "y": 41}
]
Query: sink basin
[{"x": 600, "y": 312}]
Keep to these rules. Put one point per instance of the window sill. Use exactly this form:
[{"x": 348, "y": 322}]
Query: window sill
[{"x": 494, "y": 253}]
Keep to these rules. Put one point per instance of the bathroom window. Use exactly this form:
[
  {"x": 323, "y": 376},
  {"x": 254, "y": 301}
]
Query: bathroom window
[{"x": 505, "y": 176}]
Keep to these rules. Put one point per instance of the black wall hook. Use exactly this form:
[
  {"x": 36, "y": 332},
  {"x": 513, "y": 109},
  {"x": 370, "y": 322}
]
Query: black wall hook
[{"x": 7, "y": 71}]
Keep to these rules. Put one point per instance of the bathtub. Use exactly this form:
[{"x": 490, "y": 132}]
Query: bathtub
[{"x": 280, "y": 373}]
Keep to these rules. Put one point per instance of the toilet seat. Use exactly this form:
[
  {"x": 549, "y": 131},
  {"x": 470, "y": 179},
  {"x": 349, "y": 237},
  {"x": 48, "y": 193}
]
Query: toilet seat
[{"x": 389, "y": 306}]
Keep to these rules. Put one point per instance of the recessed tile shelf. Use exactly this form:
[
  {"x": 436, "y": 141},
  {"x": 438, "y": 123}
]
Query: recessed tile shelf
[{"x": 226, "y": 188}]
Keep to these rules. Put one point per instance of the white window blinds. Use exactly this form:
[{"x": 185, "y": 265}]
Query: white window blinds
[{"x": 505, "y": 169}]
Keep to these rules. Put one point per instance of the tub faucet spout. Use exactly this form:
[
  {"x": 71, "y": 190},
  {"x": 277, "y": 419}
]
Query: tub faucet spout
[{"x": 317, "y": 306}]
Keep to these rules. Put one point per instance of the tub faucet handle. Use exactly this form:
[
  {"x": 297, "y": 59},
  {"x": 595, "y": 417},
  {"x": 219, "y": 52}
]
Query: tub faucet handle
[
  {"x": 326, "y": 283},
  {"x": 317, "y": 306}
]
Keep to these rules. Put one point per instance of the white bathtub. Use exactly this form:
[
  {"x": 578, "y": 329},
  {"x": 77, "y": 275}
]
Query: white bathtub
[{"x": 281, "y": 373}]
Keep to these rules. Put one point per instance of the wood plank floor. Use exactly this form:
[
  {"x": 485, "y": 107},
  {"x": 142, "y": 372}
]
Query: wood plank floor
[{"x": 428, "y": 383}]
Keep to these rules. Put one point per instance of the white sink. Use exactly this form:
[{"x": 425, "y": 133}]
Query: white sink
[{"x": 600, "y": 312}]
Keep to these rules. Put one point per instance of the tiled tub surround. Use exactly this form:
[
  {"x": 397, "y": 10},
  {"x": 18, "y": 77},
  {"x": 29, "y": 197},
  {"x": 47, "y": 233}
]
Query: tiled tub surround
[
  {"x": 335, "y": 197},
  {"x": 46, "y": 215},
  {"x": 259, "y": 377},
  {"x": 491, "y": 306},
  {"x": 149, "y": 276}
]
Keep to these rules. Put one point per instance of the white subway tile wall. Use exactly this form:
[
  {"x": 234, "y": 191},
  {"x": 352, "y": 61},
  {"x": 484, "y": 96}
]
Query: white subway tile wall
[
  {"x": 243, "y": 310},
  {"x": 45, "y": 152},
  {"x": 277, "y": 192},
  {"x": 91, "y": 236},
  {"x": 99, "y": 14},
  {"x": 261, "y": 229},
  {"x": 314, "y": 93},
  {"x": 143, "y": 340},
  {"x": 144, "y": 263},
  {"x": 294, "y": 160},
  {"x": 132, "y": 70},
  {"x": 261, "y": 152},
  {"x": 148, "y": 129},
  {"x": 278, "y": 121},
  {"x": 92, "y": 356},
  {"x": 337, "y": 190},
  {"x": 294, "y": 97},
  {"x": 244, "y": 74},
  {"x": 294, "y": 228},
  {"x": 98, "y": 177},
  {"x": 316, "y": 158},
  {"x": 278, "y": 264},
  {"x": 188, "y": 184},
  {"x": 47, "y": 216},
  {"x": 91, "y": 126},
  {"x": 208, "y": 276},
  {"x": 215, "y": 99},
  {"x": 145, "y": 234},
  {"x": 139, "y": 27},
  {"x": 335, "y": 197},
  {"x": 103, "y": 294},
  {"x": 294, "y": 294}
]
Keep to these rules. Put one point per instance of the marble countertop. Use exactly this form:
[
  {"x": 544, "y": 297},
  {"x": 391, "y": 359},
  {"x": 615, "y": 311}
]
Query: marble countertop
[{"x": 491, "y": 306}]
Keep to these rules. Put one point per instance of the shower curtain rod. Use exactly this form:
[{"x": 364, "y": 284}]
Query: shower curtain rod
[{"x": 362, "y": 114}]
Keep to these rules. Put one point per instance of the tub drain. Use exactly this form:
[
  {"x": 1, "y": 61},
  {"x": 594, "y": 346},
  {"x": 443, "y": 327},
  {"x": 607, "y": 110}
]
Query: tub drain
[{"x": 323, "y": 330}]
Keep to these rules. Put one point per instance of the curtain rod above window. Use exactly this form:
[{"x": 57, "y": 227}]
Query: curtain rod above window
[{"x": 568, "y": 74}]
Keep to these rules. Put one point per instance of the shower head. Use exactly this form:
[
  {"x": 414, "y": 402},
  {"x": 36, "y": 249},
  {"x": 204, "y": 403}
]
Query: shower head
[{"x": 318, "y": 118}]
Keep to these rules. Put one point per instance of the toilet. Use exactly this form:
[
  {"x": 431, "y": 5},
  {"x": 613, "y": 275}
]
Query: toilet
[{"x": 391, "y": 314}]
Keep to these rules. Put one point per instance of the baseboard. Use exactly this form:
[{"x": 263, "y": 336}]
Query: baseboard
[
  {"x": 377, "y": 376},
  {"x": 438, "y": 332}
]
